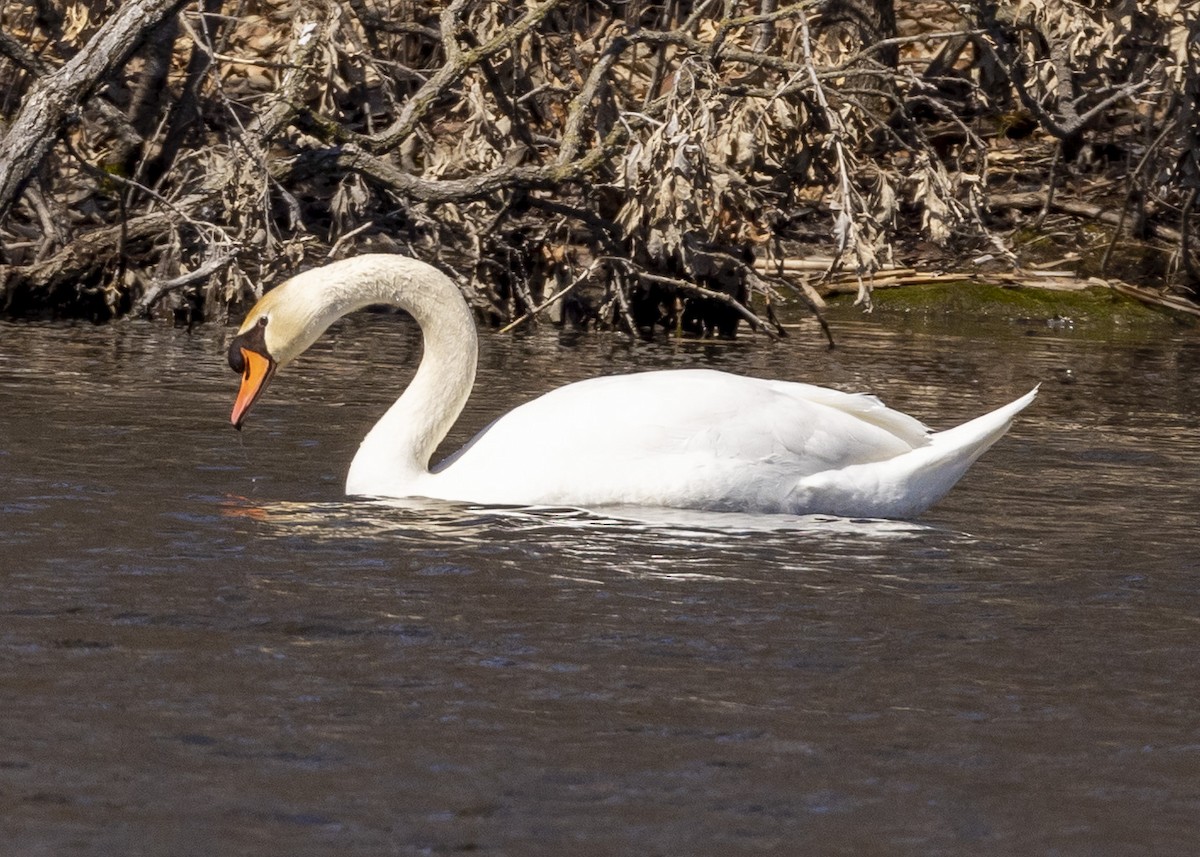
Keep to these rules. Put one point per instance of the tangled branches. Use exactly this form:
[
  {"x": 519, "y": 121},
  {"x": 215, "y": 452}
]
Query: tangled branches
[{"x": 627, "y": 165}]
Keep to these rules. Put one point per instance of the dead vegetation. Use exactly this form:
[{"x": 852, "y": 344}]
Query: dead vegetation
[{"x": 635, "y": 165}]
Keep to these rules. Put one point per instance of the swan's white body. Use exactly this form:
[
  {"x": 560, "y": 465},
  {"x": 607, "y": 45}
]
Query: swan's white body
[{"x": 695, "y": 439}]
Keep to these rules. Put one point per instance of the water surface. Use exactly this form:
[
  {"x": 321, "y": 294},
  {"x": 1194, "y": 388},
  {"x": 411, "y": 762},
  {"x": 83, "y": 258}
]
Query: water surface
[{"x": 205, "y": 650}]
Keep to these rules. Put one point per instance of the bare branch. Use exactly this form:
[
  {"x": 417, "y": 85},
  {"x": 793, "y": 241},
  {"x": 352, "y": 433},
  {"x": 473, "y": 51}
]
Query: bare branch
[
  {"x": 159, "y": 288},
  {"x": 52, "y": 99}
]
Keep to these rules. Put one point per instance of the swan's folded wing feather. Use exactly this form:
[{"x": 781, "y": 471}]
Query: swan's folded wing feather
[
  {"x": 689, "y": 434},
  {"x": 865, "y": 407}
]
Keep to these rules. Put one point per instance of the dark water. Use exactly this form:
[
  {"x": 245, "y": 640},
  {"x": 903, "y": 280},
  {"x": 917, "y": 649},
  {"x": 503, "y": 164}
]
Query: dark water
[{"x": 204, "y": 650}]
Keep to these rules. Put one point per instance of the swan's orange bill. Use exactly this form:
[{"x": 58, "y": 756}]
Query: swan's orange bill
[{"x": 258, "y": 372}]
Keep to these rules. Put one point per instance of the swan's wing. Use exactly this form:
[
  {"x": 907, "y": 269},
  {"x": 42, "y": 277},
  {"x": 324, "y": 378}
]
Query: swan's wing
[
  {"x": 736, "y": 417},
  {"x": 864, "y": 407},
  {"x": 662, "y": 437}
]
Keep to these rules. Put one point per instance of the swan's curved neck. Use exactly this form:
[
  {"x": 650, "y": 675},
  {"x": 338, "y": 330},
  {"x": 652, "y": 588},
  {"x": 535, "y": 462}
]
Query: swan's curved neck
[{"x": 397, "y": 450}]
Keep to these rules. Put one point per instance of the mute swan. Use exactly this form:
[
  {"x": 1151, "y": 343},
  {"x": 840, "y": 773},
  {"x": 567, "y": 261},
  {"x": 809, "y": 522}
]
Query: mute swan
[{"x": 690, "y": 438}]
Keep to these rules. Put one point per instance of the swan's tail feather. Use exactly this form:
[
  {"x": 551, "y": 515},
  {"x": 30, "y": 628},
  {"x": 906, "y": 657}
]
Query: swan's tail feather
[
  {"x": 975, "y": 436},
  {"x": 908, "y": 484}
]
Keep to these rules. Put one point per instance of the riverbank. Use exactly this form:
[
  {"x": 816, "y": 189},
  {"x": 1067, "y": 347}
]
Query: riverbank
[{"x": 170, "y": 161}]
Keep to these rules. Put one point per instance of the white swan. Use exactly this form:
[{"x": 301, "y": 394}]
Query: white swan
[{"x": 692, "y": 438}]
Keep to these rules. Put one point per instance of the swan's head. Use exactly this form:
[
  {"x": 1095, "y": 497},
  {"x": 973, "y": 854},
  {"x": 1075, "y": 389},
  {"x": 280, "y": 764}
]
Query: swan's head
[
  {"x": 285, "y": 322},
  {"x": 290, "y": 318}
]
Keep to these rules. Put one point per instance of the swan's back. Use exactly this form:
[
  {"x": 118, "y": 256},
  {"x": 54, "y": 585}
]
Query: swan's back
[{"x": 692, "y": 438}]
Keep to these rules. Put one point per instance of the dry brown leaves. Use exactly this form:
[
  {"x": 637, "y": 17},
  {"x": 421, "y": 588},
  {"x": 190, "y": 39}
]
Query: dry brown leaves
[{"x": 560, "y": 133}]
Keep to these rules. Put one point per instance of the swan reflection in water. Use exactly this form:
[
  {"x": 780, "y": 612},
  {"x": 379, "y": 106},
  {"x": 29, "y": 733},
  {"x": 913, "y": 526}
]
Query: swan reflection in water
[
  {"x": 594, "y": 548},
  {"x": 426, "y": 519}
]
